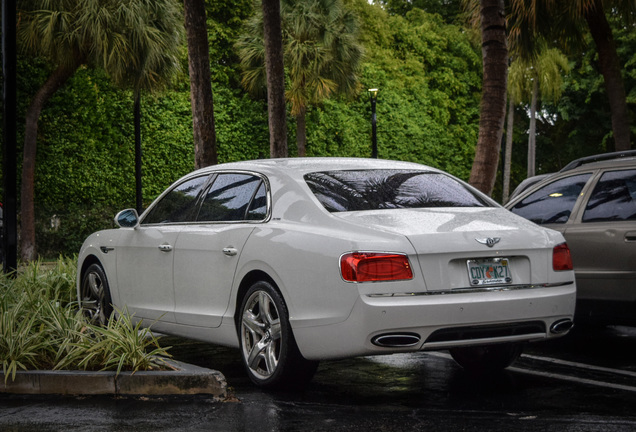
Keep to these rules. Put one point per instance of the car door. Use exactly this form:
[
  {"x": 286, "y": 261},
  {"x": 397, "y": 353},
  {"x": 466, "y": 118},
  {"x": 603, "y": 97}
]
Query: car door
[
  {"x": 146, "y": 253},
  {"x": 207, "y": 252},
  {"x": 603, "y": 239}
]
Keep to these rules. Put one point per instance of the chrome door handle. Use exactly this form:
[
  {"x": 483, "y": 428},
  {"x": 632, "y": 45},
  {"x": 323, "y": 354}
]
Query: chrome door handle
[
  {"x": 630, "y": 236},
  {"x": 230, "y": 251},
  {"x": 165, "y": 248}
]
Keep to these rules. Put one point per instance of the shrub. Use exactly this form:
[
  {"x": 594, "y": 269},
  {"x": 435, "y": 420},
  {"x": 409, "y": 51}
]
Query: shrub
[
  {"x": 41, "y": 327},
  {"x": 121, "y": 345}
]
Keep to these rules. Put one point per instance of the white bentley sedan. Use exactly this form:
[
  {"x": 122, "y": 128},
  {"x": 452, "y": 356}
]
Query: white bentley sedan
[{"x": 298, "y": 260}]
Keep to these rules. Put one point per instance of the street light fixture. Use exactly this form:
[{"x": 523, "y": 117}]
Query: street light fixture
[{"x": 373, "y": 96}]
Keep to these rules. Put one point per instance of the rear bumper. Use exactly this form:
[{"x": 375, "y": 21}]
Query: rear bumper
[{"x": 439, "y": 321}]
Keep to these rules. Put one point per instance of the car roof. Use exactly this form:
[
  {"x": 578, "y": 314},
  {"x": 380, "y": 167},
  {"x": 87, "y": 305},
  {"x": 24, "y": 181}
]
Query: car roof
[
  {"x": 601, "y": 161},
  {"x": 301, "y": 166}
]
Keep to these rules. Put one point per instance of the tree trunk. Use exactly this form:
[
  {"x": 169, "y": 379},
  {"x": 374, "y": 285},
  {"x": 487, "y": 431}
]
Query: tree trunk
[
  {"x": 494, "y": 50},
  {"x": 273, "y": 40},
  {"x": 532, "y": 133},
  {"x": 611, "y": 69},
  {"x": 9, "y": 244},
  {"x": 204, "y": 134},
  {"x": 137, "y": 120},
  {"x": 301, "y": 132},
  {"x": 58, "y": 77},
  {"x": 508, "y": 156}
]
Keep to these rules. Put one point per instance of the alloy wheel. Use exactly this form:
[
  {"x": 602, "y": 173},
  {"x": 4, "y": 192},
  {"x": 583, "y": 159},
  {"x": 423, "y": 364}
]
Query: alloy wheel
[{"x": 261, "y": 334}]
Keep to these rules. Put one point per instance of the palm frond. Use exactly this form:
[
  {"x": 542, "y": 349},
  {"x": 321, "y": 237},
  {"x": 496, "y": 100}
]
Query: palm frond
[
  {"x": 321, "y": 51},
  {"x": 136, "y": 41}
]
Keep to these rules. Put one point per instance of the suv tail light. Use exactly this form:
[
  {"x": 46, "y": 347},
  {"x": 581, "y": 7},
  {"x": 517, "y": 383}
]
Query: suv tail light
[
  {"x": 374, "y": 267},
  {"x": 561, "y": 259}
]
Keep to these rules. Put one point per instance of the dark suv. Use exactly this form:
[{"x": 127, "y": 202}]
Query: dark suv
[{"x": 592, "y": 202}]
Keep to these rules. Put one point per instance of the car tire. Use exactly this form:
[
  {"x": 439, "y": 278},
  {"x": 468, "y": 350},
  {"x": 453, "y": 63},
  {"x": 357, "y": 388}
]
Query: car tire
[
  {"x": 488, "y": 358},
  {"x": 268, "y": 348},
  {"x": 95, "y": 297}
]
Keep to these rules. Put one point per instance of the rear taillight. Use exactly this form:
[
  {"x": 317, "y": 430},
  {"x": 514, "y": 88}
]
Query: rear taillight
[
  {"x": 561, "y": 259},
  {"x": 374, "y": 267}
]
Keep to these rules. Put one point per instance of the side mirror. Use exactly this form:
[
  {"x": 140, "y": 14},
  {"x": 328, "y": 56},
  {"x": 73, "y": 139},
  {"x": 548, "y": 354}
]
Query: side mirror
[{"x": 127, "y": 218}]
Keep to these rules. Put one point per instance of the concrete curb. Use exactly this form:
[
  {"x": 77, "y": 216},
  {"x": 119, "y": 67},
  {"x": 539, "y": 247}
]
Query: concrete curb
[{"x": 187, "y": 379}]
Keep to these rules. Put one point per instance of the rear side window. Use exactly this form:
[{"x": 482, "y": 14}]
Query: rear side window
[
  {"x": 554, "y": 202},
  {"x": 229, "y": 198},
  {"x": 258, "y": 207},
  {"x": 613, "y": 198},
  {"x": 357, "y": 190},
  {"x": 179, "y": 204}
]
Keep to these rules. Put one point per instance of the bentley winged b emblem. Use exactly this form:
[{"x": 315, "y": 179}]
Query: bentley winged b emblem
[{"x": 490, "y": 241}]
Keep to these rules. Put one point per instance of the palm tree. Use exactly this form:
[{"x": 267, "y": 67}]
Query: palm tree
[
  {"x": 493, "y": 99},
  {"x": 157, "y": 43},
  {"x": 275, "y": 74},
  {"x": 130, "y": 39},
  {"x": 546, "y": 72},
  {"x": 562, "y": 21},
  {"x": 321, "y": 52},
  {"x": 527, "y": 78},
  {"x": 201, "y": 98},
  {"x": 507, "y": 164},
  {"x": 530, "y": 77}
]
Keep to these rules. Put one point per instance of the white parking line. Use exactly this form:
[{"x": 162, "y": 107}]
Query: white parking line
[
  {"x": 573, "y": 379},
  {"x": 564, "y": 377},
  {"x": 580, "y": 365}
]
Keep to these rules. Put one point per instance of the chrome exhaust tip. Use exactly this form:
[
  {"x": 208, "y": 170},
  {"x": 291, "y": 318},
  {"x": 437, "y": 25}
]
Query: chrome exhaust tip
[
  {"x": 561, "y": 326},
  {"x": 396, "y": 340}
]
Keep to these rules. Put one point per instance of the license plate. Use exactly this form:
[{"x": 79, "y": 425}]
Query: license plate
[{"x": 492, "y": 271}]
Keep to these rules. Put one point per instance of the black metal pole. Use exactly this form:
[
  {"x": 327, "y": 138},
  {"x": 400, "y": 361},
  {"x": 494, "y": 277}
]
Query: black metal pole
[
  {"x": 374, "y": 130},
  {"x": 9, "y": 147}
]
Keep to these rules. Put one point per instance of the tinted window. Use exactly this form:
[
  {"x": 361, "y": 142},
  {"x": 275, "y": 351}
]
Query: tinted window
[
  {"x": 178, "y": 205},
  {"x": 552, "y": 203},
  {"x": 258, "y": 208},
  {"x": 613, "y": 198},
  {"x": 228, "y": 198},
  {"x": 386, "y": 189}
]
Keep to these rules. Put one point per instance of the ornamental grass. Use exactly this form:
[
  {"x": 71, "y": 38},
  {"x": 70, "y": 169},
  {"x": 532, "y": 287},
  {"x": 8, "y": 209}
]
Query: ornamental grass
[{"x": 42, "y": 327}]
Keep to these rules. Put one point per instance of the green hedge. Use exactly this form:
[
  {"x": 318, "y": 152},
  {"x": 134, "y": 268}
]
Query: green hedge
[{"x": 428, "y": 73}]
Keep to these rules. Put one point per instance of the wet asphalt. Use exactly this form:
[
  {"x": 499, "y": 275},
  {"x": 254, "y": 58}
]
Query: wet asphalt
[{"x": 584, "y": 382}]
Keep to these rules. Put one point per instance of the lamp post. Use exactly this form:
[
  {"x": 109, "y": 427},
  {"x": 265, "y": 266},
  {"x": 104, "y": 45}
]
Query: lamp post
[{"x": 373, "y": 96}]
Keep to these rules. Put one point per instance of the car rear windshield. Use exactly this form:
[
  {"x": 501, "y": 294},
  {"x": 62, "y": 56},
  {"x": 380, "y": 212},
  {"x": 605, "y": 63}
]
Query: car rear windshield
[{"x": 356, "y": 190}]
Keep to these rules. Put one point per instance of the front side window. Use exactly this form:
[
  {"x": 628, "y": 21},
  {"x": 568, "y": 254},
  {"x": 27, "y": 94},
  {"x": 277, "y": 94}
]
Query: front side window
[
  {"x": 229, "y": 198},
  {"x": 357, "y": 190},
  {"x": 554, "y": 202},
  {"x": 613, "y": 198},
  {"x": 179, "y": 204}
]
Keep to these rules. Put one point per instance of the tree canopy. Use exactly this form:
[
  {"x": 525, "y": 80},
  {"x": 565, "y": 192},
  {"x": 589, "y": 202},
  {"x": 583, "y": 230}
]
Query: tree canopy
[
  {"x": 134, "y": 41},
  {"x": 427, "y": 68},
  {"x": 320, "y": 50}
]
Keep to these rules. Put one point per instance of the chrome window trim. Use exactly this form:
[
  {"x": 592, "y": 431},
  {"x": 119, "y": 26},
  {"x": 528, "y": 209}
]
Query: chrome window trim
[
  {"x": 212, "y": 176},
  {"x": 169, "y": 189}
]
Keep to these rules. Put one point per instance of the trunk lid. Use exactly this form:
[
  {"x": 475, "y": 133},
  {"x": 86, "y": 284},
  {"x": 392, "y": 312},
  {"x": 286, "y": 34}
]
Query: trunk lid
[{"x": 445, "y": 239}]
